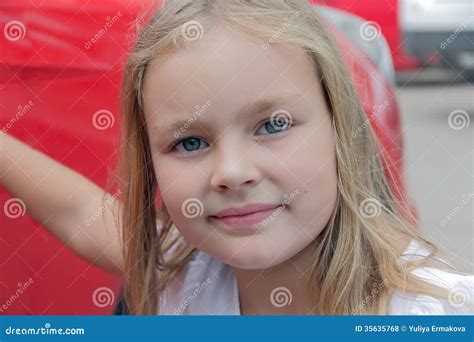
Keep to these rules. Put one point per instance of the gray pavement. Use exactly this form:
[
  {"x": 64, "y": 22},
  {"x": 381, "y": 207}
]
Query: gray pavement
[{"x": 438, "y": 131}]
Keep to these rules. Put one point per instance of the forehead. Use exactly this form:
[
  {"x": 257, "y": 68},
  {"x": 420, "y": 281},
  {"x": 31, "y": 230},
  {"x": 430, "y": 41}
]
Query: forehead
[{"x": 227, "y": 69}]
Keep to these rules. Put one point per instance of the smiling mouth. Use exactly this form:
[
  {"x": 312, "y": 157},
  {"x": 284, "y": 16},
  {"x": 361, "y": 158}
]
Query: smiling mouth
[{"x": 248, "y": 220}]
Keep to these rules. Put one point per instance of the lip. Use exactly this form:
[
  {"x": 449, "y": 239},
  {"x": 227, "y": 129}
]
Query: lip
[
  {"x": 245, "y": 210},
  {"x": 246, "y": 216}
]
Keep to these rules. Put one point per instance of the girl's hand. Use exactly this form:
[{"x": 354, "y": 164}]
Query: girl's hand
[
  {"x": 75, "y": 210},
  {"x": 2, "y": 162}
]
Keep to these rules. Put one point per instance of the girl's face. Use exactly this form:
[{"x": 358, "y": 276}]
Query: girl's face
[{"x": 233, "y": 123}]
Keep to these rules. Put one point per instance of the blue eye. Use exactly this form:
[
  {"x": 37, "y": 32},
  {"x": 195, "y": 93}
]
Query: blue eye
[
  {"x": 277, "y": 125},
  {"x": 190, "y": 144}
]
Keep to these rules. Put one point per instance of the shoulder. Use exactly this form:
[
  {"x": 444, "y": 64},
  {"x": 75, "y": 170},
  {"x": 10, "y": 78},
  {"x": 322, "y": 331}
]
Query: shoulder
[
  {"x": 171, "y": 242},
  {"x": 460, "y": 287},
  {"x": 460, "y": 299},
  {"x": 205, "y": 286}
]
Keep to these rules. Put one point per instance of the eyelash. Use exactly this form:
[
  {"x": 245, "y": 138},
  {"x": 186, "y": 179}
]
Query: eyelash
[{"x": 175, "y": 145}]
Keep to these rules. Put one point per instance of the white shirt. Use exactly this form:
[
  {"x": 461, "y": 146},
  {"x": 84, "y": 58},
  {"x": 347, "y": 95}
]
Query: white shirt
[{"x": 207, "y": 286}]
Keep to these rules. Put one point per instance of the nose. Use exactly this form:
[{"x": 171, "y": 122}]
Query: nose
[{"x": 234, "y": 168}]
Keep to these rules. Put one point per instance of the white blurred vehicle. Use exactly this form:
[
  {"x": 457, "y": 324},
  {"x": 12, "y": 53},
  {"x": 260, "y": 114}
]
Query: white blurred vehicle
[{"x": 443, "y": 26}]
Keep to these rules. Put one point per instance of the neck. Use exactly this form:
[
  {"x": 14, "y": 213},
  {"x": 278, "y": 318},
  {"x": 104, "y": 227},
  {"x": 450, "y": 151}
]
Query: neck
[{"x": 279, "y": 290}]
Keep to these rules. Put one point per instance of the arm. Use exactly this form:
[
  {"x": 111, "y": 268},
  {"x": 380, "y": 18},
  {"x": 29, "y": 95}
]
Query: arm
[{"x": 75, "y": 210}]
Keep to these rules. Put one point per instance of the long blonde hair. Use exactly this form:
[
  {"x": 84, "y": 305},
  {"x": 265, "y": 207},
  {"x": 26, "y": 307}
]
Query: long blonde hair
[{"x": 356, "y": 251}]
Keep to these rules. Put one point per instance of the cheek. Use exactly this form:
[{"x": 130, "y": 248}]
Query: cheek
[
  {"x": 176, "y": 179},
  {"x": 314, "y": 167},
  {"x": 173, "y": 185},
  {"x": 186, "y": 211},
  {"x": 179, "y": 188}
]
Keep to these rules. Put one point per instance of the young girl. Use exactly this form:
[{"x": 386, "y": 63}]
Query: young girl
[{"x": 240, "y": 114}]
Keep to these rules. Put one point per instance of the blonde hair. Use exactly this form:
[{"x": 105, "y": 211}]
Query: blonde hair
[{"x": 355, "y": 253}]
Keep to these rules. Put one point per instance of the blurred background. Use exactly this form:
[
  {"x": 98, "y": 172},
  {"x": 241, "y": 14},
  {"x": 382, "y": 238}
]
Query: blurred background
[
  {"x": 412, "y": 62},
  {"x": 431, "y": 43}
]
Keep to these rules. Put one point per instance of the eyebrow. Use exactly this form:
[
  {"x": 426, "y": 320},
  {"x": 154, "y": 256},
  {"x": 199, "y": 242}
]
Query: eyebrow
[{"x": 256, "y": 107}]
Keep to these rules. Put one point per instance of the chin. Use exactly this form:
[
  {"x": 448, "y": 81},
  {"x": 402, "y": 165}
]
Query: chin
[{"x": 252, "y": 262}]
